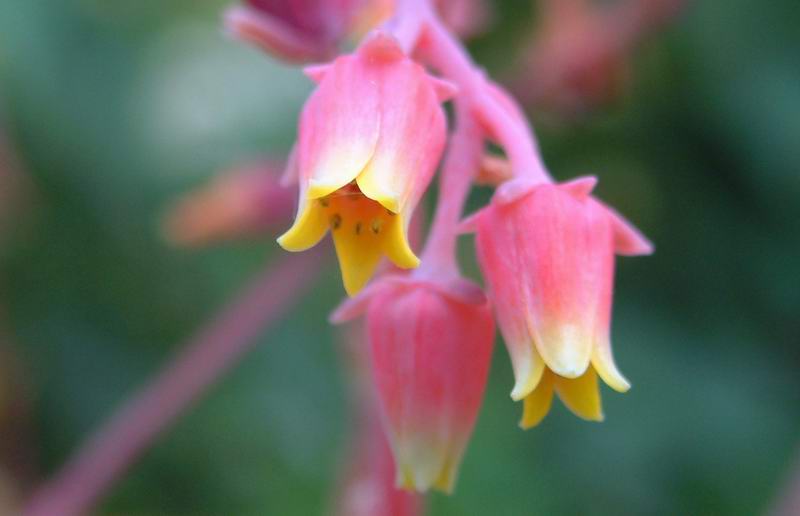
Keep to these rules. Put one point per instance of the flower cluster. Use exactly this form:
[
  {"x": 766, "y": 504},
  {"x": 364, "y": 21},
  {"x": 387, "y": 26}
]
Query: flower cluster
[{"x": 370, "y": 139}]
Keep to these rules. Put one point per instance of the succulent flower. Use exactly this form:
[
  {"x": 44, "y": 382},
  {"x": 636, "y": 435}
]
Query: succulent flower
[
  {"x": 548, "y": 259},
  {"x": 370, "y": 138}
]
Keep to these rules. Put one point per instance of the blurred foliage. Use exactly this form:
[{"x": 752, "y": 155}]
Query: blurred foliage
[{"x": 117, "y": 107}]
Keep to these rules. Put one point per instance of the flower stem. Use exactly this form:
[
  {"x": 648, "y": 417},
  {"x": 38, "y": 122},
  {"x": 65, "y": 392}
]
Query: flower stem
[
  {"x": 116, "y": 445},
  {"x": 513, "y": 133},
  {"x": 419, "y": 30},
  {"x": 462, "y": 163}
]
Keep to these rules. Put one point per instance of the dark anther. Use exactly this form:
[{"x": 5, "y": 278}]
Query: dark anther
[
  {"x": 324, "y": 202},
  {"x": 336, "y": 221},
  {"x": 358, "y": 228}
]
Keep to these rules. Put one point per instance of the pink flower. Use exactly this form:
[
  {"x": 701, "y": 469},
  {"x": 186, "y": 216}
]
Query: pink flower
[
  {"x": 431, "y": 348},
  {"x": 370, "y": 138},
  {"x": 303, "y": 30},
  {"x": 580, "y": 55},
  {"x": 548, "y": 259}
]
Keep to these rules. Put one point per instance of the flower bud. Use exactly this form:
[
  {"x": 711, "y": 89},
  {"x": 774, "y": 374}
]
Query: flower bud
[
  {"x": 431, "y": 349},
  {"x": 302, "y": 30},
  {"x": 244, "y": 201}
]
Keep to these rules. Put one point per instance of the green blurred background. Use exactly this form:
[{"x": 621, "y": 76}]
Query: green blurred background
[{"x": 115, "y": 108}]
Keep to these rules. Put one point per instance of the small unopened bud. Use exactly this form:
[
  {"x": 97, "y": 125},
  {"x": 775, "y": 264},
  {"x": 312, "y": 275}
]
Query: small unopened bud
[{"x": 243, "y": 202}]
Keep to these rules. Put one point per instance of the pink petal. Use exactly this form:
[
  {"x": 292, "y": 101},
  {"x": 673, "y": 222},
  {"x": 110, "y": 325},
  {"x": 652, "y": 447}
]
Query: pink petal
[
  {"x": 445, "y": 90},
  {"x": 629, "y": 241},
  {"x": 581, "y": 187},
  {"x": 316, "y": 72},
  {"x": 430, "y": 358},
  {"x": 339, "y": 126},
  {"x": 412, "y": 138}
]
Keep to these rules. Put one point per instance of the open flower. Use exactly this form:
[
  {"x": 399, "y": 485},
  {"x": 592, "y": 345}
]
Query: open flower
[
  {"x": 431, "y": 348},
  {"x": 548, "y": 258},
  {"x": 370, "y": 138}
]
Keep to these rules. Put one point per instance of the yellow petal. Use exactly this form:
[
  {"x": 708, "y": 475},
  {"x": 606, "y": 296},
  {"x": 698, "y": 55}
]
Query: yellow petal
[
  {"x": 537, "y": 404},
  {"x": 358, "y": 256},
  {"x": 395, "y": 243},
  {"x": 308, "y": 229},
  {"x": 581, "y": 395},
  {"x": 363, "y": 231},
  {"x": 446, "y": 480},
  {"x": 405, "y": 478}
]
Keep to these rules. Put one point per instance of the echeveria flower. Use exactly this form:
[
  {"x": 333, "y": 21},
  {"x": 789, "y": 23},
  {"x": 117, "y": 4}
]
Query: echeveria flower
[
  {"x": 548, "y": 259},
  {"x": 370, "y": 138}
]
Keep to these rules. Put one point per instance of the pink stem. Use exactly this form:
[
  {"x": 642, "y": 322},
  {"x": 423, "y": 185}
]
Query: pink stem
[
  {"x": 514, "y": 135},
  {"x": 105, "y": 456},
  {"x": 462, "y": 163},
  {"x": 420, "y": 31},
  {"x": 418, "y": 28}
]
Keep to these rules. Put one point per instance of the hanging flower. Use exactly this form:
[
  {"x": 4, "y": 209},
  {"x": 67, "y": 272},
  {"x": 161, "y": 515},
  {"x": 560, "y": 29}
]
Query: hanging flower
[
  {"x": 370, "y": 138},
  {"x": 548, "y": 259},
  {"x": 431, "y": 347}
]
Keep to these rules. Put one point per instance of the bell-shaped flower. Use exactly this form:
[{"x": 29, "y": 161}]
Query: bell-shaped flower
[
  {"x": 431, "y": 347},
  {"x": 303, "y": 30},
  {"x": 548, "y": 260},
  {"x": 370, "y": 138}
]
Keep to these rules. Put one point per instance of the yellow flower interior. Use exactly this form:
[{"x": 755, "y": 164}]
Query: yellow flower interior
[
  {"x": 363, "y": 231},
  {"x": 581, "y": 395}
]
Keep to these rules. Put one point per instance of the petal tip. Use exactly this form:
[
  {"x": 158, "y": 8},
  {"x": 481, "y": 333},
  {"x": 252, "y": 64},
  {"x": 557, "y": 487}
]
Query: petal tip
[
  {"x": 445, "y": 90},
  {"x": 628, "y": 240},
  {"x": 526, "y": 384},
  {"x": 316, "y": 72},
  {"x": 603, "y": 363},
  {"x": 581, "y": 187},
  {"x": 617, "y": 382},
  {"x": 287, "y": 244}
]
